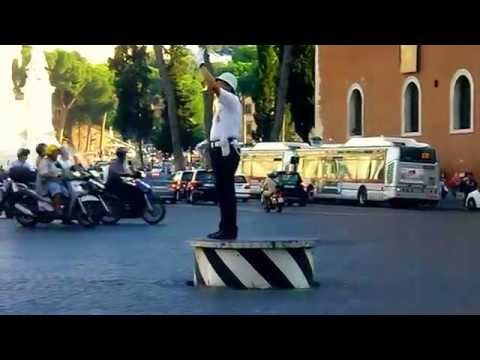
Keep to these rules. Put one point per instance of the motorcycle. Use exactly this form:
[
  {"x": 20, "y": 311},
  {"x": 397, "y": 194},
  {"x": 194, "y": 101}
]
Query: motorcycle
[
  {"x": 275, "y": 202},
  {"x": 8, "y": 193},
  {"x": 81, "y": 204},
  {"x": 18, "y": 179},
  {"x": 130, "y": 207}
]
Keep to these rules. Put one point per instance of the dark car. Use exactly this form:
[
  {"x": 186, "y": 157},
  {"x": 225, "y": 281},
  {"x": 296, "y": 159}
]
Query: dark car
[
  {"x": 163, "y": 187},
  {"x": 291, "y": 186},
  {"x": 181, "y": 179},
  {"x": 202, "y": 187}
]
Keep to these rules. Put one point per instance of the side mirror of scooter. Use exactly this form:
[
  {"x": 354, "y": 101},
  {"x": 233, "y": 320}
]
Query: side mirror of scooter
[{"x": 139, "y": 175}]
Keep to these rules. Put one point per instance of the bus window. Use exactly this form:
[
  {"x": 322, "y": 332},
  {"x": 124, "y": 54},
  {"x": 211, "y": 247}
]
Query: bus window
[
  {"x": 377, "y": 172},
  {"x": 348, "y": 169},
  {"x": 330, "y": 169},
  {"x": 390, "y": 173},
  {"x": 363, "y": 168},
  {"x": 262, "y": 167},
  {"x": 308, "y": 168},
  {"x": 246, "y": 167}
]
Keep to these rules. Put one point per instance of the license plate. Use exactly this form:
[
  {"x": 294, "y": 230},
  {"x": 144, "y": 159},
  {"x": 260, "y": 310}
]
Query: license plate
[
  {"x": 289, "y": 187},
  {"x": 209, "y": 185}
]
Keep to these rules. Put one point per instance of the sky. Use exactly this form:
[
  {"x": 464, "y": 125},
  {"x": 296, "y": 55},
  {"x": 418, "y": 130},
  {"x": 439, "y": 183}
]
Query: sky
[{"x": 100, "y": 53}]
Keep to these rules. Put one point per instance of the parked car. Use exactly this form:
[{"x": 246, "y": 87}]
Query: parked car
[
  {"x": 292, "y": 187},
  {"x": 163, "y": 187},
  {"x": 202, "y": 187},
  {"x": 473, "y": 200},
  {"x": 181, "y": 180},
  {"x": 242, "y": 188}
]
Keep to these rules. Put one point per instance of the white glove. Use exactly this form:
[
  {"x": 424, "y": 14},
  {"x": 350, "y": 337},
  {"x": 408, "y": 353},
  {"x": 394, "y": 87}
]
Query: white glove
[{"x": 200, "y": 58}]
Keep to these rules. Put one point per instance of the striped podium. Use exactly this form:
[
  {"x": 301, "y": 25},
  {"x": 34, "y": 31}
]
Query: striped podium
[{"x": 258, "y": 264}]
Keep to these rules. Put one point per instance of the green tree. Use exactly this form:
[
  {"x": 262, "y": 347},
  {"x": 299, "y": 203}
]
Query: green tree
[
  {"x": 281, "y": 99},
  {"x": 189, "y": 101},
  {"x": 267, "y": 72},
  {"x": 69, "y": 73},
  {"x": 244, "y": 66},
  {"x": 134, "y": 116},
  {"x": 168, "y": 89},
  {"x": 19, "y": 71},
  {"x": 301, "y": 90},
  {"x": 96, "y": 100}
]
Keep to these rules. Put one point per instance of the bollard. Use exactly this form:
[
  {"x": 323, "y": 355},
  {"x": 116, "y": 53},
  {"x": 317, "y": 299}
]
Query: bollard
[{"x": 258, "y": 264}]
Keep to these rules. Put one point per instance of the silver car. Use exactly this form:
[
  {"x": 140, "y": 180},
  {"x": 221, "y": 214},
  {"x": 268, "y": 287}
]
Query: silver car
[{"x": 242, "y": 188}]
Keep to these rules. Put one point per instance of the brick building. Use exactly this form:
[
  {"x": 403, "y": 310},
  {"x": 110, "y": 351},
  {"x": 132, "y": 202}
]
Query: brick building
[{"x": 425, "y": 92}]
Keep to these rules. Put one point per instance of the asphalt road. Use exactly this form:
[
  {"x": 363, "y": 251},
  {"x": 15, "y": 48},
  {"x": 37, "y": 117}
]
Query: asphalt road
[{"x": 368, "y": 261}]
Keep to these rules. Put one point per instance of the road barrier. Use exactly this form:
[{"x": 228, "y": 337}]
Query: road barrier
[{"x": 246, "y": 264}]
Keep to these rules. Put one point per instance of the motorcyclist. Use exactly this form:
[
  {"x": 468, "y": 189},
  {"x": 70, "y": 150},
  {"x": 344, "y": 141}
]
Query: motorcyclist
[
  {"x": 20, "y": 170},
  {"x": 22, "y": 157},
  {"x": 50, "y": 178},
  {"x": 40, "y": 150},
  {"x": 468, "y": 184},
  {"x": 118, "y": 169},
  {"x": 269, "y": 186}
]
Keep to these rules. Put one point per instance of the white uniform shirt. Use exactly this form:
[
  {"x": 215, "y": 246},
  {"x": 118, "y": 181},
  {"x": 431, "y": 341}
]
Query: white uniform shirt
[{"x": 227, "y": 117}]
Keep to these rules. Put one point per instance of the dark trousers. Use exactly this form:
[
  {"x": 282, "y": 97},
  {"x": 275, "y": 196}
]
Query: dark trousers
[{"x": 224, "y": 169}]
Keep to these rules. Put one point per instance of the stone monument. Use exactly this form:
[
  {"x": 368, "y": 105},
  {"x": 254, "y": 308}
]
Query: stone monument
[{"x": 27, "y": 122}]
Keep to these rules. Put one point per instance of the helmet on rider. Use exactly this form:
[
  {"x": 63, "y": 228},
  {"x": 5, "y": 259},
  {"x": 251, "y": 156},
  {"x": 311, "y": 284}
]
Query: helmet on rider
[
  {"x": 52, "y": 150},
  {"x": 272, "y": 175}
]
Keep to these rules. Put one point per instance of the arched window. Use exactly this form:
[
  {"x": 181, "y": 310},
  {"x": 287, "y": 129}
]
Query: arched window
[
  {"x": 411, "y": 107},
  {"x": 355, "y": 113},
  {"x": 461, "y": 102}
]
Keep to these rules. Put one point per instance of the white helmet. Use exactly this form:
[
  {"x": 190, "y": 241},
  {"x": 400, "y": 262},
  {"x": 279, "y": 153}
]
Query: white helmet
[{"x": 230, "y": 79}]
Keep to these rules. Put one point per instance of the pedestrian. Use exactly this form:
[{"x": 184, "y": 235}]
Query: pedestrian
[{"x": 223, "y": 146}]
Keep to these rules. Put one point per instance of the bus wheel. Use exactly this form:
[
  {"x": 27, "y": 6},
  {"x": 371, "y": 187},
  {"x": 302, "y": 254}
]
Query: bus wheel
[{"x": 362, "y": 197}]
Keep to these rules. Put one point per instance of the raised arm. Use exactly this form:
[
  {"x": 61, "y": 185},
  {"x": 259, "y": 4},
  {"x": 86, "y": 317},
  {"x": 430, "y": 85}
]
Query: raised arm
[{"x": 207, "y": 75}]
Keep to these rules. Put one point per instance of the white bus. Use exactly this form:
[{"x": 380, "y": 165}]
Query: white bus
[
  {"x": 257, "y": 162},
  {"x": 397, "y": 170}
]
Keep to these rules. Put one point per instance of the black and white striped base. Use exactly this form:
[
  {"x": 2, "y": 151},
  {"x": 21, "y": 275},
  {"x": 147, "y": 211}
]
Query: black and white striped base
[{"x": 279, "y": 264}]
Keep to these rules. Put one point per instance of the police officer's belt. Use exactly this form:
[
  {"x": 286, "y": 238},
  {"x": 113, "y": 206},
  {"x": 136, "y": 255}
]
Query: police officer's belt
[{"x": 218, "y": 143}]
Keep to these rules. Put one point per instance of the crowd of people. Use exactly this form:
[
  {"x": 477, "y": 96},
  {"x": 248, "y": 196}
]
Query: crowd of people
[{"x": 52, "y": 164}]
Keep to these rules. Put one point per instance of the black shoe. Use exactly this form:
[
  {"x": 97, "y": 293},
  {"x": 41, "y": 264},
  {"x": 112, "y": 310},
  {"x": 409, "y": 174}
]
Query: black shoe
[
  {"x": 223, "y": 236},
  {"x": 214, "y": 235}
]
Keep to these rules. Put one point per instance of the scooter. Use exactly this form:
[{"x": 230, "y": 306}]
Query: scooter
[
  {"x": 152, "y": 211},
  {"x": 10, "y": 187},
  {"x": 32, "y": 208},
  {"x": 275, "y": 202}
]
